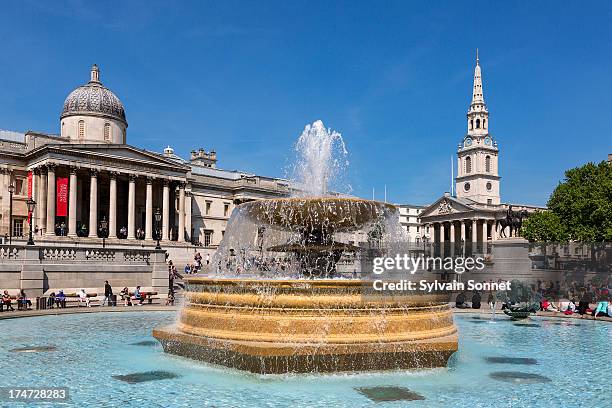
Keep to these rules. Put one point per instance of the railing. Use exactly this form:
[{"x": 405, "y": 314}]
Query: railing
[
  {"x": 59, "y": 254},
  {"x": 8, "y": 252}
]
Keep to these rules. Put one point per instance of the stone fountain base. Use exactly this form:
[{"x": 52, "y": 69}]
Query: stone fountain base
[{"x": 283, "y": 326}]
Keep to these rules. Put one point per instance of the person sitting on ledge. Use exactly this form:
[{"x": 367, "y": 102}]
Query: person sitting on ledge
[
  {"x": 460, "y": 301},
  {"x": 6, "y": 301},
  {"x": 476, "y": 299},
  {"x": 82, "y": 296},
  {"x": 548, "y": 307},
  {"x": 601, "y": 310},
  {"x": 50, "y": 300},
  {"x": 23, "y": 303},
  {"x": 60, "y": 299},
  {"x": 138, "y": 295},
  {"x": 567, "y": 307},
  {"x": 125, "y": 296}
]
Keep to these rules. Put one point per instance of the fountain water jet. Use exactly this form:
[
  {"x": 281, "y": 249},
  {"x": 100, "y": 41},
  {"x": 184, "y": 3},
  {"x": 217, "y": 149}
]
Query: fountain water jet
[{"x": 262, "y": 311}]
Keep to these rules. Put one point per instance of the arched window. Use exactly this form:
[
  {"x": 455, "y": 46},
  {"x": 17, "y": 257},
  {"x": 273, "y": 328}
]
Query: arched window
[
  {"x": 468, "y": 164},
  {"x": 484, "y": 123},
  {"x": 477, "y": 123},
  {"x": 107, "y": 131},
  {"x": 81, "y": 129},
  {"x": 471, "y": 124},
  {"x": 488, "y": 164}
]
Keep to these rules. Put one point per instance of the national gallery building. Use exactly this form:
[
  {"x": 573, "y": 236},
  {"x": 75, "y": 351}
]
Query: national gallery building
[{"x": 89, "y": 184}]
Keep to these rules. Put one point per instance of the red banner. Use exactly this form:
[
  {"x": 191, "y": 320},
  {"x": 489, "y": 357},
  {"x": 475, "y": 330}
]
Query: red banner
[
  {"x": 29, "y": 184},
  {"x": 61, "y": 205}
]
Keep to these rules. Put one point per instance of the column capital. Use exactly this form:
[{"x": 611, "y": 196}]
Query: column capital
[
  {"x": 166, "y": 182},
  {"x": 73, "y": 170},
  {"x": 132, "y": 178},
  {"x": 150, "y": 179},
  {"x": 93, "y": 173},
  {"x": 113, "y": 175},
  {"x": 50, "y": 167}
]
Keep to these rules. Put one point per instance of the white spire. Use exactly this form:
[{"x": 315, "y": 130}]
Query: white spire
[
  {"x": 95, "y": 73},
  {"x": 477, "y": 96}
]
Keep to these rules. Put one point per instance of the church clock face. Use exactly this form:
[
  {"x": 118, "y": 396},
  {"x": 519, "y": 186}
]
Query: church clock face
[
  {"x": 466, "y": 186},
  {"x": 468, "y": 142},
  {"x": 487, "y": 141}
]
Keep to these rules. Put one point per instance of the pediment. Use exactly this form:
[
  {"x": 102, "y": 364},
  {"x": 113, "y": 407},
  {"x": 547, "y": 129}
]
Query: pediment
[
  {"x": 116, "y": 153},
  {"x": 445, "y": 206}
]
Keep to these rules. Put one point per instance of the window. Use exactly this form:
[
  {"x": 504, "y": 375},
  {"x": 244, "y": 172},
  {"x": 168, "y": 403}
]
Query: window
[
  {"x": 208, "y": 204},
  {"x": 489, "y": 186},
  {"x": 81, "y": 129},
  {"x": 107, "y": 131},
  {"x": 489, "y": 201},
  {"x": 484, "y": 123},
  {"x": 17, "y": 227},
  {"x": 468, "y": 164},
  {"x": 472, "y": 124},
  {"x": 225, "y": 210},
  {"x": 417, "y": 228},
  {"x": 207, "y": 238},
  {"x": 19, "y": 187},
  {"x": 488, "y": 164},
  {"x": 466, "y": 186},
  {"x": 477, "y": 123}
]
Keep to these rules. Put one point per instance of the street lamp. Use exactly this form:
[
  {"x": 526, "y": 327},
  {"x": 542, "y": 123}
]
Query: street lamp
[
  {"x": 103, "y": 230},
  {"x": 11, "y": 189},
  {"x": 31, "y": 204},
  {"x": 158, "y": 217}
]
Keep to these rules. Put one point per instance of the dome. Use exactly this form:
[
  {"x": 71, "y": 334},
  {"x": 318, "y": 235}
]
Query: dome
[{"x": 94, "y": 99}]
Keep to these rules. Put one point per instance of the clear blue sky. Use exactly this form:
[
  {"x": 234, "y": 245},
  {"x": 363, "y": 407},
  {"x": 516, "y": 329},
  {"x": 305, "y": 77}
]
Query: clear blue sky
[{"x": 393, "y": 77}]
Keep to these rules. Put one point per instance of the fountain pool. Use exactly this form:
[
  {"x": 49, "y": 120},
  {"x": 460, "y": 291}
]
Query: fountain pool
[{"x": 110, "y": 359}]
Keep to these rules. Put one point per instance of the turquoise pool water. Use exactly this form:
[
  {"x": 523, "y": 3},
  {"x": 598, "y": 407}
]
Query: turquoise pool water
[{"x": 557, "y": 363}]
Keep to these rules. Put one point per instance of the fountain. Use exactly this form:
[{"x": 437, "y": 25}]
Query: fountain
[{"x": 278, "y": 300}]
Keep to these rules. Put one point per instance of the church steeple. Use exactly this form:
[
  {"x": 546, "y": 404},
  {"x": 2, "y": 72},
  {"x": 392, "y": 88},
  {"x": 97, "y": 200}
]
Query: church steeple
[
  {"x": 478, "y": 115},
  {"x": 477, "y": 156}
]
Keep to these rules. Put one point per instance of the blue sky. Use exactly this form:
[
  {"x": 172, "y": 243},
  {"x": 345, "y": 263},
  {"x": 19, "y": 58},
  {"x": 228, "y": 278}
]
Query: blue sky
[{"x": 244, "y": 77}]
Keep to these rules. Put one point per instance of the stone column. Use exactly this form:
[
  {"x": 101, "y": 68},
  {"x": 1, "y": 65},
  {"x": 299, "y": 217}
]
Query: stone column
[
  {"x": 442, "y": 231},
  {"x": 181, "y": 213},
  {"x": 166, "y": 210},
  {"x": 485, "y": 230},
  {"x": 188, "y": 216},
  {"x": 50, "y": 199},
  {"x": 463, "y": 227},
  {"x": 149, "y": 210},
  {"x": 93, "y": 205},
  {"x": 72, "y": 203},
  {"x": 132, "y": 207},
  {"x": 112, "y": 206},
  {"x": 494, "y": 230},
  {"x": 42, "y": 201},
  {"x": 474, "y": 231},
  {"x": 35, "y": 196},
  {"x": 452, "y": 231}
]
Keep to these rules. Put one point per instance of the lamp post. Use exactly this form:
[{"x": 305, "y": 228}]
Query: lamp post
[
  {"x": 103, "y": 230},
  {"x": 31, "y": 204},
  {"x": 11, "y": 189},
  {"x": 158, "y": 217}
]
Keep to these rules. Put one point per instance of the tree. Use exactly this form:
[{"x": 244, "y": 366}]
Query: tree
[
  {"x": 583, "y": 203},
  {"x": 544, "y": 227}
]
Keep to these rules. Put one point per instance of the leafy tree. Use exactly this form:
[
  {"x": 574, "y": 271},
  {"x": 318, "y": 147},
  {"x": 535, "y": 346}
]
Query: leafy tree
[
  {"x": 544, "y": 226},
  {"x": 583, "y": 203}
]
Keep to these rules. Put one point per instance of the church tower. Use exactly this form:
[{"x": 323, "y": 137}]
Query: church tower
[{"x": 477, "y": 156}]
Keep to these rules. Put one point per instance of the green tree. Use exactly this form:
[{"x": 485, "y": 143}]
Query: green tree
[
  {"x": 544, "y": 227},
  {"x": 583, "y": 203}
]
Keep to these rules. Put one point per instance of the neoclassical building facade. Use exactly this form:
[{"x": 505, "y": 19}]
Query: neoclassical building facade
[
  {"x": 88, "y": 177},
  {"x": 472, "y": 214}
]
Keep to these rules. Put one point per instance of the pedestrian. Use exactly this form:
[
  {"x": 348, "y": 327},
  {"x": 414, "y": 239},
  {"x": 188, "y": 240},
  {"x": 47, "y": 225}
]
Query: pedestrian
[
  {"x": 207, "y": 259},
  {"x": 108, "y": 294}
]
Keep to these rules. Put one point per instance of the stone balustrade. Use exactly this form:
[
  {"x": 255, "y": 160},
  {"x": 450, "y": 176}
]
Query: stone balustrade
[{"x": 39, "y": 268}]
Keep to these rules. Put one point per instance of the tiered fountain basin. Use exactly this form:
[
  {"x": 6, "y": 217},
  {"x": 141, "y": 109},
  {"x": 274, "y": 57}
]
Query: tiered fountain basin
[{"x": 282, "y": 326}]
